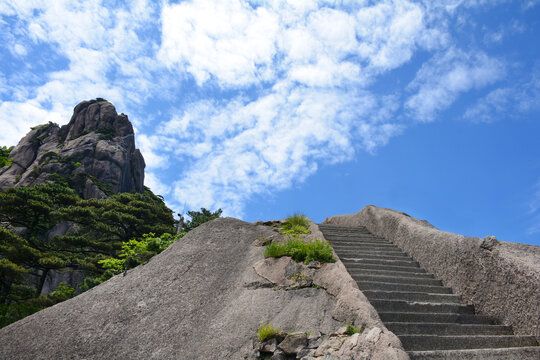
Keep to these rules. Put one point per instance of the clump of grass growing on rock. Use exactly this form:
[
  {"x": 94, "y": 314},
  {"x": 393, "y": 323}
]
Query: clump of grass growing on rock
[
  {"x": 318, "y": 250},
  {"x": 295, "y": 221},
  {"x": 351, "y": 329},
  {"x": 266, "y": 331}
]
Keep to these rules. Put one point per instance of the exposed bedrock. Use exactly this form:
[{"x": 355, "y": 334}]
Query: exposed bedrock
[
  {"x": 95, "y": 151},
  {"x": 502, "y": 279},
  {"x": 202, "y": 298}
]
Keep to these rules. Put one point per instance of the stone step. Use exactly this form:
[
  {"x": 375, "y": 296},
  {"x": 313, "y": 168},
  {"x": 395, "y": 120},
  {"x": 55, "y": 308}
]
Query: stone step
[
  {"x": 514, "y": 353},
  {"x": 435, "y": 318},
  {"x": 371, "y": 248},
  {"x": 385, "y": 262},
  {"x": 355, "y": 239},
  {"x": 353, "y": 265},
  {"x": 375, "y": 285},
  {"x": 412, "y": 296},
  {"x": 407, "y": 328},
  {"x": 452, "y": 342},
  {"x": 343, "y": 228},
  {"x": 420, "y": 307},
  {"x": 359, "y": 244},
  {"x": 393, "y": 273},
  {"x": 397, "y": 280},
  {"x": 356, "y": 254},
  {"x": 375, "y": 252},
  {"x": 430, "y": 321}
]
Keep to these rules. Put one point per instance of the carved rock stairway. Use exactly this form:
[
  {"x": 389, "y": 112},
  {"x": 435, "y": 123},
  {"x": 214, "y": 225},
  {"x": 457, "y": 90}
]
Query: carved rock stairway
[{"x": 428, "y": 318}]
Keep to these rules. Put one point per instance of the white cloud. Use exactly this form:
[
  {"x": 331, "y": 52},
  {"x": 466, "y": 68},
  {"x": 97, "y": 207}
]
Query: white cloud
[
  {"x": 508, "y": 102},
  {"x": 252, "y": 147},
  {"x": 440, "y": 81},
  {"x": 153, "y": 182},
  {"x": 22, "y": 116},
  {"x": 96, "y": 41},
  {"x": 226, "y": 39}
]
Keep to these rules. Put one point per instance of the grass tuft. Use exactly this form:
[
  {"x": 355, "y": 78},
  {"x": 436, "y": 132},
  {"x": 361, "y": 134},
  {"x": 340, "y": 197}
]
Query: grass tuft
[
  {"x": 297, "y": 220},
  {"x": 318, "y": 250},
  {"x": 266, "y": 331},
  {"x": 351, "y": 329}
]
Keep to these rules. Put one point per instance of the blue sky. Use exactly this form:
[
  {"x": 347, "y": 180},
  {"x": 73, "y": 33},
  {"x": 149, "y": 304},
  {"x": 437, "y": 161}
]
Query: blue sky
[{"x": 266, "y": 108}]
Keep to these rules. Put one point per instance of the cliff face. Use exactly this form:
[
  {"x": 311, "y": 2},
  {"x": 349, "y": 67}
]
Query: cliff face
[{"x": 95, "y": 152}]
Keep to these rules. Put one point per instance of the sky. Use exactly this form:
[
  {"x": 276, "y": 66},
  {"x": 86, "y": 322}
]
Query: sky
[{"x": 270, "y": 108}]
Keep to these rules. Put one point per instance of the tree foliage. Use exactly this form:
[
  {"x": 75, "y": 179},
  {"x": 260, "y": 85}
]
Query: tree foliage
[
  {"x": 5, "y": 160},
  {"x": 200, "y": 217},
  {"x": 98, "y": 229}
]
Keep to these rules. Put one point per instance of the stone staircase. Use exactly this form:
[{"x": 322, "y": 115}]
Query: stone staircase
[{"x": 428, "y": 318}]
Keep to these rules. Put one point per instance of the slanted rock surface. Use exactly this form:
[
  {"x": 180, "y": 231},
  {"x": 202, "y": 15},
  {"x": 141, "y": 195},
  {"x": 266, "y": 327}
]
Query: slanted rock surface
[
  {"x": 199, "y": 299},
  {"x": 96, "y": 152}
]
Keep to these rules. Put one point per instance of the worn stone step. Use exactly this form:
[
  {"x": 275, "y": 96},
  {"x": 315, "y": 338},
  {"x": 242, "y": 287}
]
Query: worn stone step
[
  {"x": 385, "y": 262},
  {"x": 374, "y": 285},
  {"x": 514, "y": 353},
  {"x": 398, "y": 280},
  {"x": 363, "y": 255},
  {"x": 435, "y": 318},
  {"x": 353, "y": 265},
  {"x": 392, "y": 273},
  {"x": 411, "y": 296},
  {"x": 452, "y": 342},
  {"x": 421, "y": 307},
  {"x": 408, "y": 328}
]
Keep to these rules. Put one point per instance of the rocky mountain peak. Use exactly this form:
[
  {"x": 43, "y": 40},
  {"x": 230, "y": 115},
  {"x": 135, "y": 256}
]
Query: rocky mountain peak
[
  {"x": 97, "y": 116},
  {"x": 95, "y": 153}
]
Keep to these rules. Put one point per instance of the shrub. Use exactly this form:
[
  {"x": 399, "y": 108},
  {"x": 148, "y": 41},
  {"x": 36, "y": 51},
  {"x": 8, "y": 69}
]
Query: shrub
[
  {"x": 136, "y": 252},
  {"x": 318, "y": 250},
  {"x": 266, "y": 331},
  {"x": 64, "y": 292}
]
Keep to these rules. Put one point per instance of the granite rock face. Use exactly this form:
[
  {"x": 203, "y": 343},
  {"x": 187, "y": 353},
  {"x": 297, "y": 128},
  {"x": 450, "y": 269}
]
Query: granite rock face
[
  {"x": 199, "y": 299},
  {"x": 502, "y": 279},
  {"x": 95, "y": 151}
]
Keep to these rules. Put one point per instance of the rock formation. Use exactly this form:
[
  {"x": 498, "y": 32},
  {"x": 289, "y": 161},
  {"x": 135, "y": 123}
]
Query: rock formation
[
  {"x": 95, "y": 152},
  {"x": 204, "y": 298}
]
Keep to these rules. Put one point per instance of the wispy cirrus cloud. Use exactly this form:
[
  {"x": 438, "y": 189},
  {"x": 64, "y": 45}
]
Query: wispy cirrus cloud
[
  {"x": 518, "y": 100},
  {"x": 440, "y": 81}
]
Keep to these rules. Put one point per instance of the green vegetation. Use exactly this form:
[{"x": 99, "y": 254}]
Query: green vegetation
[
  {"x": 295, "y": 221},
  {"x": 136, "y": 252},
  {"x": 318, "y": 250},
  {"x": 5, "y": 160},
  {"x": 101, "y": 229},
  {"x": 295, "y": 227},
  {"x": 200, "y": 217},
  {"x": 266, "y": 331},
  {"x": 351, "y": 329},
  {"x": 107, "y": 132}
]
